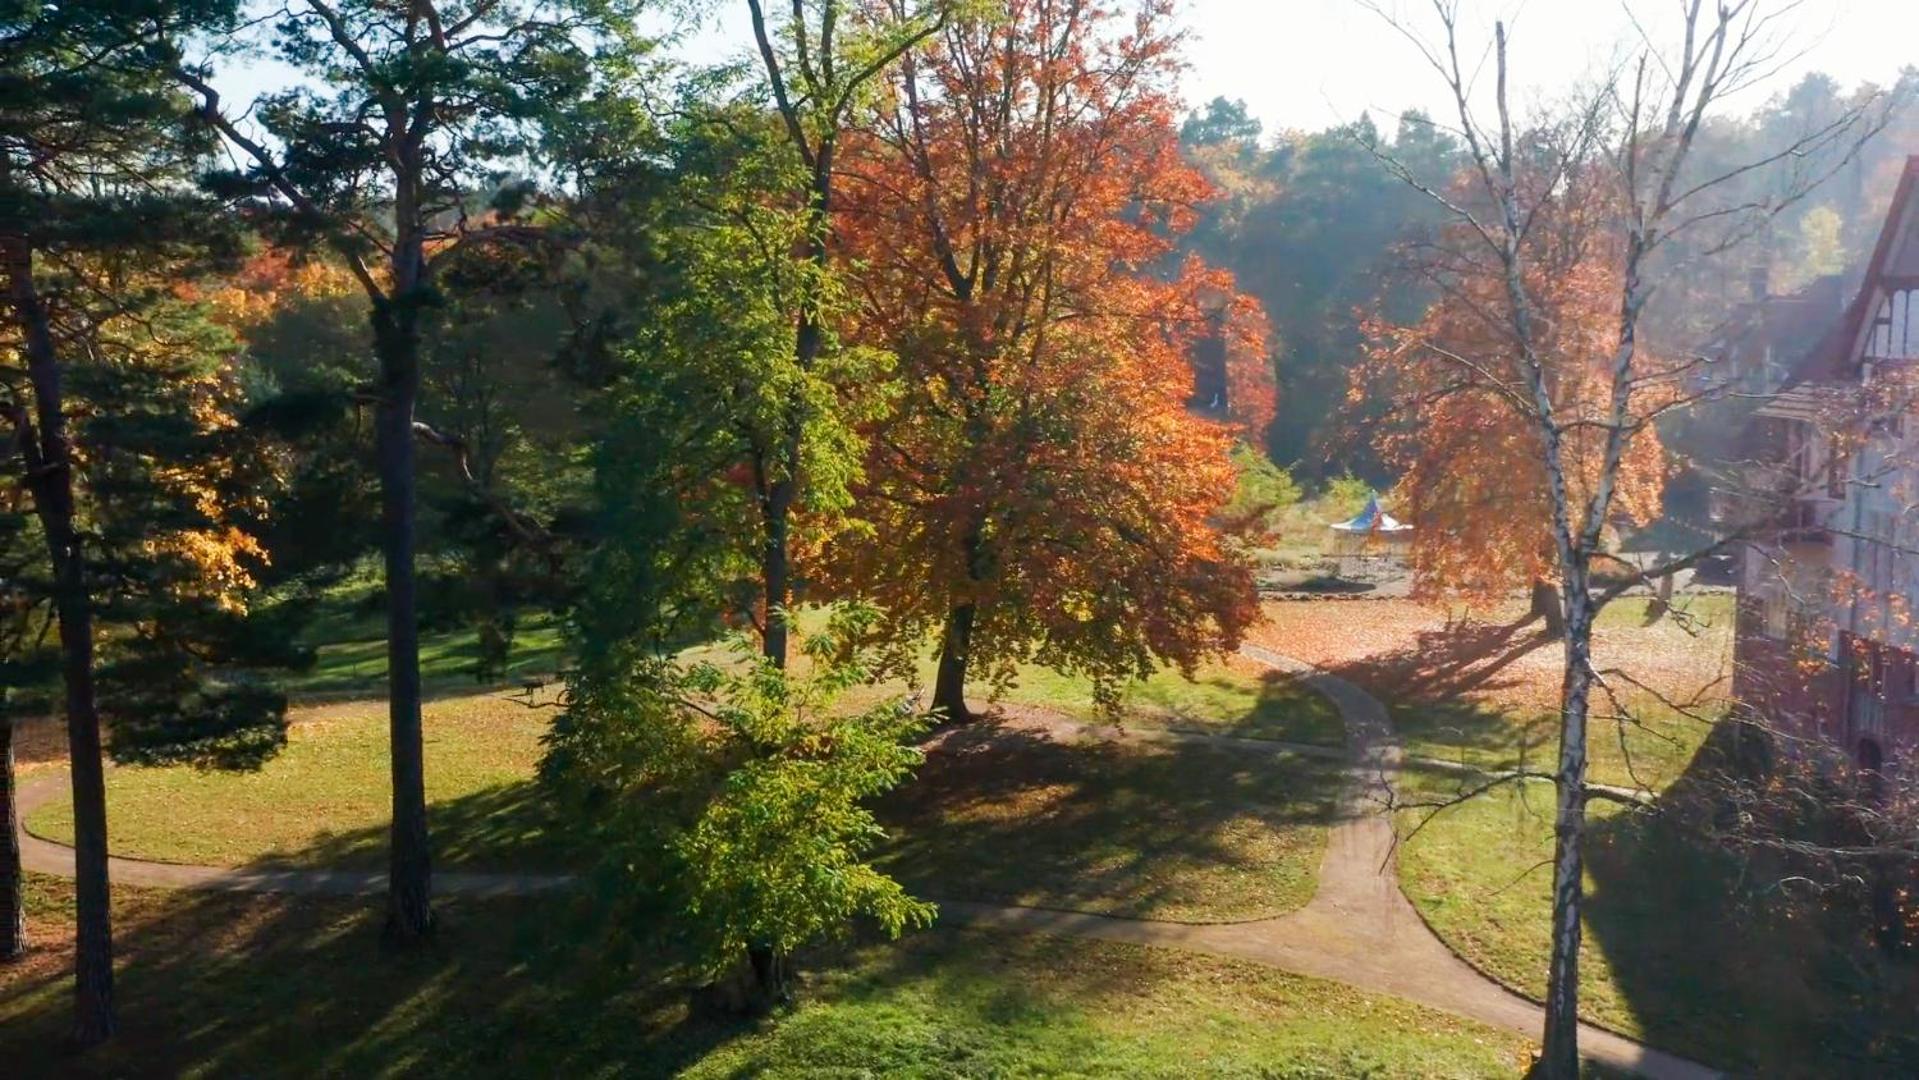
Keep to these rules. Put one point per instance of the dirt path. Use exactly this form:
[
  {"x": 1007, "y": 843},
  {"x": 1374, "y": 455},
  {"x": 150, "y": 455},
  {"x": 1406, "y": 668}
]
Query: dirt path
[{"x": 1357, "y": 929}]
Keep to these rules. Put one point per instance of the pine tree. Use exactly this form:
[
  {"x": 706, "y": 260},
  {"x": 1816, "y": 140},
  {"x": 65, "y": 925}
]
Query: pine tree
[
  {"x": 117, "y": 425},
  {"x": 416, "y": 107}
]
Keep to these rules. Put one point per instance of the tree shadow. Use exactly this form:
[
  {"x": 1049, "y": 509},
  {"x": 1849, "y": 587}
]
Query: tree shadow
[
  {"x": 1284, "y": 709},
  {"x": 274, "y": 985},
  {"x": 1171, "y": 830},
  {"x": 1439, "y": 690},
  {"x": 1718, "y": 952},
  {"x": 263, "y": 985},
  {"x": 505, "y": 827}
]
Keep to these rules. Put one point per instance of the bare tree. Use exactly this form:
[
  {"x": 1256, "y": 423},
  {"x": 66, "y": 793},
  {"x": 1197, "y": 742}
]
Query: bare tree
[{"x": 1667, "y": 213}]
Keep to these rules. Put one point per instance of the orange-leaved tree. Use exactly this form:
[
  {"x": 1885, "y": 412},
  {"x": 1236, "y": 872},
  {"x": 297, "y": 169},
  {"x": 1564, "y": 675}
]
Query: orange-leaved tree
[
  {"x": 1461, "y": 433},
  {"x": 1044, "y": 489}
]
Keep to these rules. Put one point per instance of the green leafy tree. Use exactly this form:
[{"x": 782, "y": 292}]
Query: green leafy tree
[
  {"x": 1222, "y": 121},
  {"x": 413, "y": 111},
  {"x": 818, "y": 62},
  {"x": 731, "y": 801}
]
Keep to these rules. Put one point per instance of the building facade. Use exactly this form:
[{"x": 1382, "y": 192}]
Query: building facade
[{"x": 1826, "y": 642}]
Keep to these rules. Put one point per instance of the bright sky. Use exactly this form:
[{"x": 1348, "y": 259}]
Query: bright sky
[{"x": 1311, "y": 63}]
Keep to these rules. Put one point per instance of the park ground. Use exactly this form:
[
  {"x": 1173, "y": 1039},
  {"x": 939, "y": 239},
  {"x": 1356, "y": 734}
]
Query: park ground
[{"x": 1046, "y": 805}]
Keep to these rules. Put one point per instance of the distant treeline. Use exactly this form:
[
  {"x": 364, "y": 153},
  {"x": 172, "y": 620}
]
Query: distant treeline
[{"x": 1311, "y": 224}]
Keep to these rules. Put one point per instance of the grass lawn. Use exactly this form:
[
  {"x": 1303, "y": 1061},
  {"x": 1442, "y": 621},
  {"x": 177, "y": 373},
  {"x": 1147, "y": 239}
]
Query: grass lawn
[
  {"x": 324, "y": 800},
  {"x": 261, "y": 986},
  {"x": 1649, "y": 751},
  {"x": 1171, "y": 831},
  {"x": 1153, "y": 830},
  {"x": 1233, "y": 696},
  {"x": 1681, "y": 948},
  {"x": 352, "y": 659}
]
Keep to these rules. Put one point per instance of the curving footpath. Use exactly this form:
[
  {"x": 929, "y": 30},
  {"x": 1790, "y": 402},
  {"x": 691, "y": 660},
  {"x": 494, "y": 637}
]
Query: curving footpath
[{"x": 1358, "y": 928}]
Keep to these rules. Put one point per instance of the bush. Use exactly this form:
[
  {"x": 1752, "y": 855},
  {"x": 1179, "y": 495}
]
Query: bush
[
  {"x": 1262, "y": 496},
  {"x": 1346, "y": 495}
]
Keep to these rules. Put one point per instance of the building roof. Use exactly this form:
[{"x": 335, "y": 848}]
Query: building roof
[{"x": 1895, "y": 259}]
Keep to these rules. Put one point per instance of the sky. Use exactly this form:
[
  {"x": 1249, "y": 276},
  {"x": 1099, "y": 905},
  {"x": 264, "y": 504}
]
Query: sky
[
  {"x": 1307, "y": 64},
  {"x": 1310, "y": 63}
]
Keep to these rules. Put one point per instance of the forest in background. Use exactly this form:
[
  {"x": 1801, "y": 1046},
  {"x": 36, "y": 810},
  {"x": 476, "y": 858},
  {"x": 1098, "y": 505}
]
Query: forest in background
[{"x": 1312, "y": 224}]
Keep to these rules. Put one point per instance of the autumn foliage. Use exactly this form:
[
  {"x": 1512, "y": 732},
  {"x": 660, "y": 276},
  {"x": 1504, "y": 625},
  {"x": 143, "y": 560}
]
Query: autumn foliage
[
  {"x": 1462, "y": 434},
  {"x": 1043, "y": 488}
]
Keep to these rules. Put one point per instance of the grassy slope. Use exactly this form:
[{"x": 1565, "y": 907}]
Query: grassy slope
[
  {"x": 206, "y": 988},
  {"x": 1676, "y": 949}
]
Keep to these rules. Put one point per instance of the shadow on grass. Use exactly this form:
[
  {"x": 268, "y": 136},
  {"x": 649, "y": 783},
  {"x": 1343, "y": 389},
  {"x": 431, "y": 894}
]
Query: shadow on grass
[
  {"x": 1166, "y": 830},
  {"x": 261, "y": 985},
  {"x": 1717, "y": 952},
  {"x": 1284, "y": 709},
  {"x": 265, "y": 985},
  {"x": 1705, "y": 951},
  {"x": 506, "y": 827}
]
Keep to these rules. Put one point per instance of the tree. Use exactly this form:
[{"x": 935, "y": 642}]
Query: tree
[
  {"x": 385, "y": 160},
  {"x": 1042, "y": 490},
  {"x": 1460, "y": 434},
  {"x": 93, "y": 227},
  {"x": 737, "y": 799},
  {"x": 1661, "y": 213},
  {"x": 1222, "y": 121},
  {"x": 1308, "y": 228},
  {"x": 816, "y": 71}
]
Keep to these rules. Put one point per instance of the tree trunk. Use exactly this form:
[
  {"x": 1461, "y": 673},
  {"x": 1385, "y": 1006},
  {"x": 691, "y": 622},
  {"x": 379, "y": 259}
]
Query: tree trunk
[
  {"x": 49, "y": 459},
  {"x": 776, "y": 567},
  {"x": 409, "y": 913},
  {"x": 1560, "y": 1057},
  {"x": 770, "y": 983},
  {"x": 1546, "y": 605},
  {"x": 949, "y": 688},
  {"x": 757, "y": 983},
  {"x": 13, "y": 913}
]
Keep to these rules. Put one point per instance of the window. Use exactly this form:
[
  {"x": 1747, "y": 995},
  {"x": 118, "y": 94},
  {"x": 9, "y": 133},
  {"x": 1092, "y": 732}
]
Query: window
[
  {"x": 1836, "y": 469},
  {"x": 1775, "y": 615}
]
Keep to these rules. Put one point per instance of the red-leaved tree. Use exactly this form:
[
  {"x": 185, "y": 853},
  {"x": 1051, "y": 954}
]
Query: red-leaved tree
[{"x": 1044, "y": 489}]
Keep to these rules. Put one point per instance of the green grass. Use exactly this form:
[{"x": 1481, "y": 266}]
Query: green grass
[
  {"x": 1147, "y": 830},
  {"x": 1684, "y": 948},
  {"x": 323, "y": 800},
  {"x": 1648, "y": 752},
  {"x": 1173, "y": 831},
  {"x": 357, "y": 663},
  {"x": 1714, "y": 609},
  {"x": 219, "y": 985},
  {"x": 1226, "y": 697}
]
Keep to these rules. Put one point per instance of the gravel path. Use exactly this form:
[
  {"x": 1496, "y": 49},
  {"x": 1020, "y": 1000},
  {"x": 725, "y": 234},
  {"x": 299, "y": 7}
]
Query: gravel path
[{"x": 1358, "y": 928}]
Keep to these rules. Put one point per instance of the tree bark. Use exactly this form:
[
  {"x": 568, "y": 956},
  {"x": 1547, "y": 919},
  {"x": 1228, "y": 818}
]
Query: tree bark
[
  {"x": 13, "y": 912},
  {"x": 956, "y": 646},
  {"x": 409, "y": 913},
  {"x": 49, "y": 459},
  {"x": 776, "y": 567},
  {"x": 1545, "y": 605},
  {"x": 1560, "y": 1057}
]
